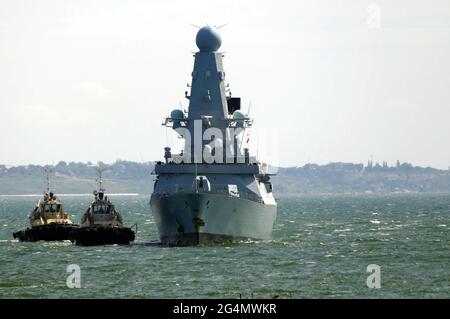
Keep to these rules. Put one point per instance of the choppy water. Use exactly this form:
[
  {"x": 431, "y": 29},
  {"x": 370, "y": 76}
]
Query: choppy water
[{"x": 320, "y": 249}]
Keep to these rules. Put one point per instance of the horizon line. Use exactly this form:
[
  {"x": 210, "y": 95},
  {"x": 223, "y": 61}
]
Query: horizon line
[{"x": 89, "y": 163}]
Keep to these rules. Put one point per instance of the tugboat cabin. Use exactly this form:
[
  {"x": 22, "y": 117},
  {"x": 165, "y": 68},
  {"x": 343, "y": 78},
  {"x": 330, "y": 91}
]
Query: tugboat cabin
[
  {"x": 49, "y": 210},
  {"x": 101, "y": 212}
]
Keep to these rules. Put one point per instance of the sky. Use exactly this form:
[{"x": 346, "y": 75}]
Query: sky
[{"x": 328, "y": 81}]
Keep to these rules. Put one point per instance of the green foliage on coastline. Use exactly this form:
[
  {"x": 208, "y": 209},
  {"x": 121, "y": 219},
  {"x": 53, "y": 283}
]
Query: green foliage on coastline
[{"x": 133, "y": 177}]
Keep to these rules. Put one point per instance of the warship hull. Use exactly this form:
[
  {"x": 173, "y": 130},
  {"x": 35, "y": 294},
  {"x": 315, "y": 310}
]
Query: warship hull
[{"x": 191, "y": 218}]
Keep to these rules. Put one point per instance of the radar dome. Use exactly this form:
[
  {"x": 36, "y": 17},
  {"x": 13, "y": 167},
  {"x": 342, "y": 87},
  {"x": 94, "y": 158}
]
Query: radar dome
[
  {"x": 238, "y": 115},
  {"x": 208, "y": 39},
  {"x": 177, "y": 114}
]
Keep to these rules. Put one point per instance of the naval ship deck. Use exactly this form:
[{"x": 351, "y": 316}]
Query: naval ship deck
[{"x": 216, "y": 168}]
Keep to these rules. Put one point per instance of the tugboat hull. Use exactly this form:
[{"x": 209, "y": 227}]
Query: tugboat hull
[
  {"x": 49, "y": 232},
  {"x": 103, "y": 235}
]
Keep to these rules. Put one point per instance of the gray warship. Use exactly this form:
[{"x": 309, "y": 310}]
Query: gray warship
[{"x": 213, "y": 191}]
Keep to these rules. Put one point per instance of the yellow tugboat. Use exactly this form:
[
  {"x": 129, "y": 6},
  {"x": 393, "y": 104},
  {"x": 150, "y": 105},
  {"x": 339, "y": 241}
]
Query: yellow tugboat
[
  {"x": 102, "y": 224},
  {"x": 48, "y": 220}
]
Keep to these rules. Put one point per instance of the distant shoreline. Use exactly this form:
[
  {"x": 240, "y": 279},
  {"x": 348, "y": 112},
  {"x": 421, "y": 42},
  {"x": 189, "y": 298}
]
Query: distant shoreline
[{"x": 125, "y": 178}]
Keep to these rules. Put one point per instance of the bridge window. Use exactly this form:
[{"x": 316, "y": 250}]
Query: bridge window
[{"x": 101, "y": 209}]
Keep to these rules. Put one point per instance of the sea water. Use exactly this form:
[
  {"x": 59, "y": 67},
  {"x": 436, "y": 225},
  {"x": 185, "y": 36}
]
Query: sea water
[{"x": 321, "y": 248}]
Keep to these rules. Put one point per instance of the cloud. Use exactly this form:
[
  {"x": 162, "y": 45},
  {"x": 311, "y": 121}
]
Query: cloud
[
  {"x": 39, "y": 117},
  {"x": 95, "y": 90},
  {"x": 401, "y": 104}
]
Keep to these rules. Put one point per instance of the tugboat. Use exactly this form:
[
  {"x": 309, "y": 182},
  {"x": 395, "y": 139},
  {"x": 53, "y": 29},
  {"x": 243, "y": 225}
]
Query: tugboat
[
  {"x": 48, "y": 220},
  {"x": 102, "y": 224}
]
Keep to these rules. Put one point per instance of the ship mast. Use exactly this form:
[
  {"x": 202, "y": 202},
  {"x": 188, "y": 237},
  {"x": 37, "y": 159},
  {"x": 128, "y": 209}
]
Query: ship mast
[
  {"x": 47, "y": 172},
  {"x": 211, "y": 108},
  {"x": 100, "y": 171}
]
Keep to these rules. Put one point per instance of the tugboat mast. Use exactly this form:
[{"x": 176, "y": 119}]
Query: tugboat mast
[
  {"x": 47, "y": 172},
  {"x": 100, "y": 171}
]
